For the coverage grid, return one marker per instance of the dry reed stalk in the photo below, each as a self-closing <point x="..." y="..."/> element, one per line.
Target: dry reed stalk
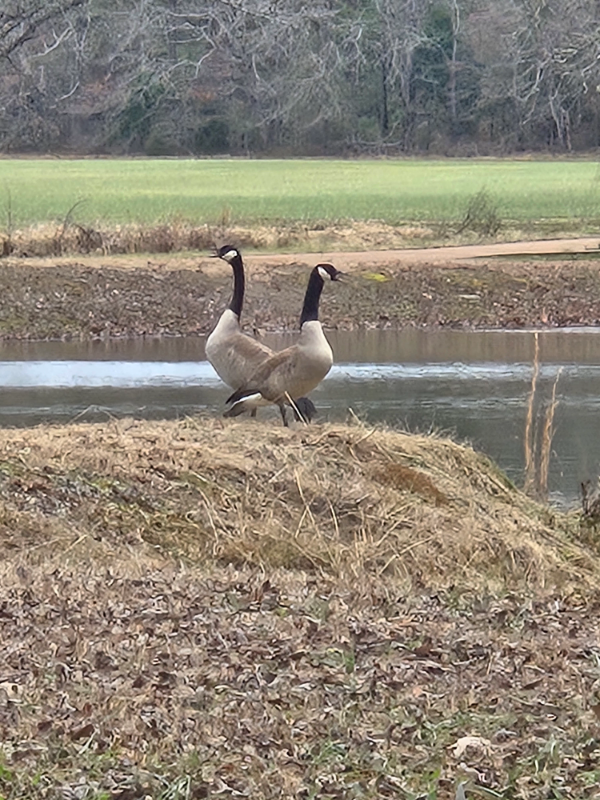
<point x="530" y="438"/>
<point x="296" y="409"/>
<point x="538" y="447"/>
<point x="546" y="443"/>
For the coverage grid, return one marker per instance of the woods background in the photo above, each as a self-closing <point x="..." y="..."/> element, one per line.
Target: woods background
<point x="286" y="77"/>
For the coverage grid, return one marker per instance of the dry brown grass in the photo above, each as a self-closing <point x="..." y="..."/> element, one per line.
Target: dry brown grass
<point x="344" y="500"/>
<point x="70" y="237"/>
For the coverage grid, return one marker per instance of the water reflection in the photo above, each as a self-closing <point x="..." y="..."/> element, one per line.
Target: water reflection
<point x="564" y="346"/>
<point x="474" y="385"/>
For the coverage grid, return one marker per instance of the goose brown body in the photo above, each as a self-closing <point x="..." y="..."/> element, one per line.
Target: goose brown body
<point x="234" y="355"/>
<point x="298" y="369"/>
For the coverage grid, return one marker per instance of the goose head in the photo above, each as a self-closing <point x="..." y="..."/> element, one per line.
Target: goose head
<point x="328" y="271"/>
<point x="228" y="253"/>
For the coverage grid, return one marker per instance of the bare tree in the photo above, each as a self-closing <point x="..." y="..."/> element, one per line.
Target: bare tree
<point x="202" y="75"/>
<point x="34" y="36"/>
<point x="20" y="22"/>
<point x="539" y="61"/>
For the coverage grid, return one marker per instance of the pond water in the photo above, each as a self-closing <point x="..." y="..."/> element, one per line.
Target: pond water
<point x="473" y="385"/>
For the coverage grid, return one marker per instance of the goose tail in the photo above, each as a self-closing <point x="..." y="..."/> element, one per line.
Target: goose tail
<point x="241" y="401"/>
<point x="244" y="400"/>
<point x="304" y="409"/>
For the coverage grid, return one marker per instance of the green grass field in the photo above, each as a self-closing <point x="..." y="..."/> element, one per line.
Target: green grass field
<point x="150" y="191"/>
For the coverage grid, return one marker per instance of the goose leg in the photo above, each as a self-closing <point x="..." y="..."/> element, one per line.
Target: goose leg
<point x="253" y="413"/>
<point x="283" y="413"/>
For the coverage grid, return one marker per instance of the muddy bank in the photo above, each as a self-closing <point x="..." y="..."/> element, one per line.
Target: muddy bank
<point x="124" y="296"/>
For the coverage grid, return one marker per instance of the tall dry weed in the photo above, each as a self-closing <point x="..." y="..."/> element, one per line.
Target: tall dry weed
<point x="539" y="432"/>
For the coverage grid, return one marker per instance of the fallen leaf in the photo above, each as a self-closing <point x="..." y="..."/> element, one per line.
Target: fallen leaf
<point x="478" y="743"/>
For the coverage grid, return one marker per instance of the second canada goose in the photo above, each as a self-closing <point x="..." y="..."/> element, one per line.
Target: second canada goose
<point x="298" y="369"/>
<point x="235" y="356"/>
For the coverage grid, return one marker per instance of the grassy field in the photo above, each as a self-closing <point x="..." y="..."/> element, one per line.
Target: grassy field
<point x="148" y="192"/>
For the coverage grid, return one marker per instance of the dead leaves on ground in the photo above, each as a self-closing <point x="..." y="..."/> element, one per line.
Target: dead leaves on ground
<point x="236" y="685"/>
<point x="120" y="296"/>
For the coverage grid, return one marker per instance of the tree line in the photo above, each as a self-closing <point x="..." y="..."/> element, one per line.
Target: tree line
<point x="290" y="77"/>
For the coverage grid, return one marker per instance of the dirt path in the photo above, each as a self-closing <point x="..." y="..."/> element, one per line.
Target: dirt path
<point x="437" y="255"/>
<point x="345" y="259"/>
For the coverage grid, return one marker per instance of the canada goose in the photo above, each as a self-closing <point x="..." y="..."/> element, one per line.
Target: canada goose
<point x="298" y="369"/>
<point x="234" y="355"/>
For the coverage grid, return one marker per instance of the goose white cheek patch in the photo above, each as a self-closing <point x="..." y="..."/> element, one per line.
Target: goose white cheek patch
<point x="323" y="273"/>
<point x="230" y="255"/>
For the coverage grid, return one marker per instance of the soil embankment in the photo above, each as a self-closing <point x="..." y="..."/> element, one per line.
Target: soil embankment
<point x="122" y="296"/>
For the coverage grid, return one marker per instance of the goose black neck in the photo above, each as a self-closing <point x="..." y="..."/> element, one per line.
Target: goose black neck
<point x="237" y="299"/>
<point x="310" y="309"/>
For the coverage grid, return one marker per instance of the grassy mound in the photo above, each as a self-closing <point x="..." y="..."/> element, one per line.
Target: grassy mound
<point x="344" y="500"/>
